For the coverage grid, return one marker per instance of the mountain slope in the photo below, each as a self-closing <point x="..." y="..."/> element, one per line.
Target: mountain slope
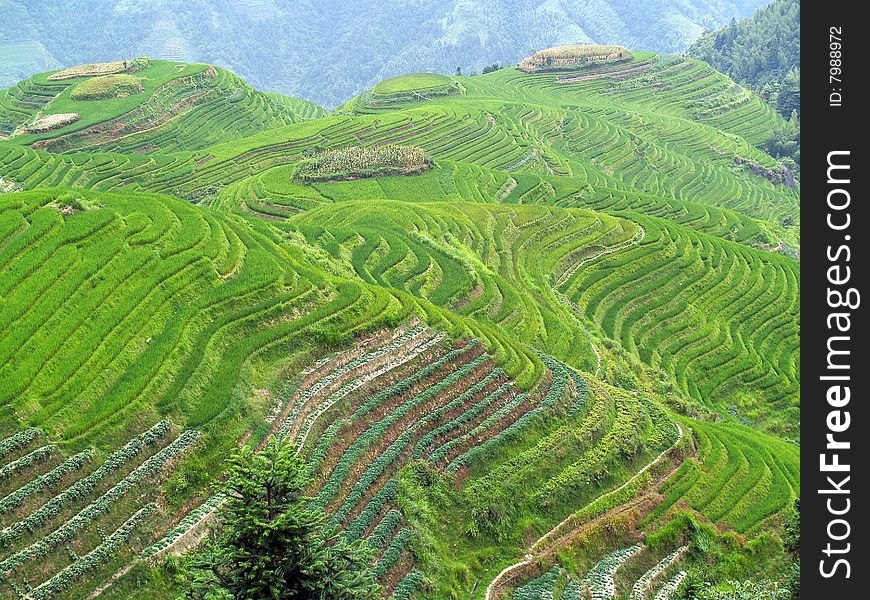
<point x="762" y="52"/>
<point x="158" y="105"/>
<point x="324" y="52"/>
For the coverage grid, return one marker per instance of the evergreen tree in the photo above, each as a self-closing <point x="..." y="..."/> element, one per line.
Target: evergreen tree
<point x="792" y="545"/>
<point x="789" y="96"/>
<point x="271" y="544"/>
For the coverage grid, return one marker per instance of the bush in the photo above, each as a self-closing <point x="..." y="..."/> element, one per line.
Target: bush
<point x="138" y="64"/>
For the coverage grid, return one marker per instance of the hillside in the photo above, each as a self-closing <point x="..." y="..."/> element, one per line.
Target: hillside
<point x="375" y="41"/>
<point x="762" y="52"/>
<point x="532" y="332"/>
<point x="158" y="105"/>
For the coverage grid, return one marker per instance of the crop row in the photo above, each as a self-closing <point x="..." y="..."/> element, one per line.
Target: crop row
<point x="372" y="435"/>
<point x="28" y="460"/>
<point x="84" y="486"/>
<point x="100" y="318"/>
<point x="416" y="345"/>
<point x="72" y="526"/>
<point x="379" y="501"/>
<point x="398" y="414"/>
<point x="525" y="472"/>
<point x="45" y="481"/>
<point x="93" y="559"/>
<point x="746" y="336"/>
<point x="323" y="444"/>
<point x="618" y="134"/>
<point x="393" y="552"/>
<point x="642" y="586"/>
<point x="669" y="588"/>
<point x="741" y="477"/>
<point x="184" y="525"/>
<point x="540" y="587"/>
<point x="18" y="440"/>
<point x="527" y="414"/>
<point x="301" y="400"/>
<point x="410" y="583"/>
<point x="599" y="579"/>
<point x="489" y="261"/>
<point x="598" y="582"/>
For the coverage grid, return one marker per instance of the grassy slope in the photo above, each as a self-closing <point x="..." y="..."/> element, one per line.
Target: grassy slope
<point x="97" y="111"/>
<point x="190" y="94"/>
<point x="411" y="81"/>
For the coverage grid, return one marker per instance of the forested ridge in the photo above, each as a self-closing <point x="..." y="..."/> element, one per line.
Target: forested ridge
<point x="764" y="54"/>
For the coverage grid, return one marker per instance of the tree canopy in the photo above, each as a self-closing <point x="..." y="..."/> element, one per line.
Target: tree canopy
<point x="762" y="52"/>
<point x="271" y="544"/>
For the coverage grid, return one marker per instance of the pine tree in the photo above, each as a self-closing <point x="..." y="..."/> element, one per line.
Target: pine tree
<point x="271" y="544"/>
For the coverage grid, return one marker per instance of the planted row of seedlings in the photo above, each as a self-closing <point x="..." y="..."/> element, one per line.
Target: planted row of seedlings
<point x="598" y="583"/>
<point x="324" y="384"/>
<point x="93" y="559"/>
<point x="644" y="585"/>
<point x="363" y="439"/>
<point x="599" y="580"/>
<point x="63" y="512"/>
<point x="82" y="487"/>
<point x="98" y="507"/>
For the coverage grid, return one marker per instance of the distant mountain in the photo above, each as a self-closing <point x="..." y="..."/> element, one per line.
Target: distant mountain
<point x="325" y="51"/>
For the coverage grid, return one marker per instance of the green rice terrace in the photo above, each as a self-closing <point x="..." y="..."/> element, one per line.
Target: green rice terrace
<point x="535" y="333"/>
<point x="415" y="86"/>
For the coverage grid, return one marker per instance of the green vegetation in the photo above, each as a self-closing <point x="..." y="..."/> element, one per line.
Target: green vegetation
<point x="537" y="334"/>
<point x="161" y="108"/>
<point x="355" y="162"/>
<point x="265" y="518"/>
<point x="414" y="81"/>
<point x="415" y="87"/>
<point x="762" y="53"/>
<point x="573" y="56"/>
<point x="106" y="86"/>
<point x="101" y="69"/>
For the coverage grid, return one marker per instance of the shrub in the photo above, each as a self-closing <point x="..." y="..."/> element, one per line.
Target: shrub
<point x="138" y="64"/>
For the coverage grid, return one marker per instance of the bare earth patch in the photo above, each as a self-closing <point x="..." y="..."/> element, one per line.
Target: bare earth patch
<point x="49" y="122"/>
<point x="89" y="70"/>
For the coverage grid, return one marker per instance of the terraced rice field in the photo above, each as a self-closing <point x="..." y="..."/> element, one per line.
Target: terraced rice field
<point x="737" y="479"/>
<point x="584" y="315"/>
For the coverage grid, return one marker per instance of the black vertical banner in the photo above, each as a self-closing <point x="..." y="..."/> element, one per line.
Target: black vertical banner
<point x="835" y="425"/>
